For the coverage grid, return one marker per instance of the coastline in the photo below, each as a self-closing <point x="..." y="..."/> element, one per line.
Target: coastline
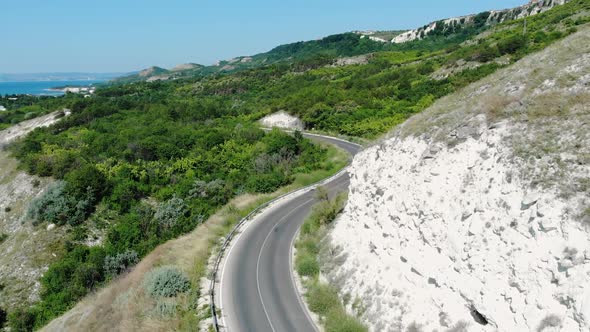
<point x="49" y="88"/>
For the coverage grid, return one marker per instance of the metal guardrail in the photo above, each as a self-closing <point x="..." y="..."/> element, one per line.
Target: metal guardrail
<point x="234" y="231"/>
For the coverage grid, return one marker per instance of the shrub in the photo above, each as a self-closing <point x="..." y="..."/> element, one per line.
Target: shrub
<point x="165" y="281"/>
<point x="266" y="183"/>
<point x="114" y="265"/>
<point x="307" y="265"/>
<point x="215" y="191"/>
<point x="322" y="298"/>
<point x="169" y="212"/>
<point x="487" y="53"/>
<point x="21" y="320"/>
<point x="86" y="179"/>
<point x="3" y="237"/>
<point x="56" y="206"/>
<point x="512" y="44"/>
<point x="338" y="321"/>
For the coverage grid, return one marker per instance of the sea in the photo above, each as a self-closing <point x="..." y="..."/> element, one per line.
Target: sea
<point x="41" y="88"/>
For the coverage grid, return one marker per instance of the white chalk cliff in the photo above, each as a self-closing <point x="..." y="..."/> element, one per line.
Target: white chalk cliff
<point x="534" y="7"/>
<point x="475" y="214"/>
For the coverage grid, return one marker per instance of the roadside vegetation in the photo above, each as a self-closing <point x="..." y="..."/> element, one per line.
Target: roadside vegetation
<point x="125" y="302"/>
<point x="322" y="298"/>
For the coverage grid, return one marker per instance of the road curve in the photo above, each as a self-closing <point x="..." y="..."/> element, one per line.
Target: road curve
<point x="256" y="287"/>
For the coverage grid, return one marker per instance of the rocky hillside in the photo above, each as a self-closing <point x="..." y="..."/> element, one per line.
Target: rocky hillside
<point x="458" y="24"/>
<point x="25" y="251"/>
<point x="475" y="214"/>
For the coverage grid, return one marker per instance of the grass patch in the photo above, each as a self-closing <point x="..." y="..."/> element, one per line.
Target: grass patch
<point x="322" y="298"/>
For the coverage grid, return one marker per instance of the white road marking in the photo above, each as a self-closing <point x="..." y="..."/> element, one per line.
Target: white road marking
<point x="260" y="255"/>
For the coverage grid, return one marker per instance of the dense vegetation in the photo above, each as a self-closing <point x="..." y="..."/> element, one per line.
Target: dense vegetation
<point x="156" y="159"/>
<point x="156" y="170"/>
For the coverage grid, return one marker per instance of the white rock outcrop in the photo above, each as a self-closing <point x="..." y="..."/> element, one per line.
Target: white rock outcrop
<point x="282" y="119"/>
<point x="452" y="223"/>
<point x="431" y="238"/>
<point x="534" y="7"/>
<point x="23" y="128"/>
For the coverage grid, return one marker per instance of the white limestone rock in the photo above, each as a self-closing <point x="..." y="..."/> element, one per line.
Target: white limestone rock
<point x="282" y="119"/>
<point x="444" y="257"/>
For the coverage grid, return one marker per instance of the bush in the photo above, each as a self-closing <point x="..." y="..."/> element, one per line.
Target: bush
<point x="322" y="298"/>
<point x="307" y="265"/>
<point x="266" y="183"/>
<point x="215" y="191"/>
<point x="56" y="206"/>
<point x="487" y="53"/>
<point x="86" y="179"/>
<point x="114" y="265"/>
<point x="3" y="237"/>
<point x="512" y="44"/>
<point x="169" y="212"/>
<point x="338" y="321"/>
<point x="165" y="281"/>
<point x="21" y="320"/>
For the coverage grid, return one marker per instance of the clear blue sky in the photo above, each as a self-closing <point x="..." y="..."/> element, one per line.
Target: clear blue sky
<point x="126" y="35"/>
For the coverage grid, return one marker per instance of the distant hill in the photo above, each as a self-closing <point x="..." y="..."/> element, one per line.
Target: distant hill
<point x="319" y="51"/>
<point x="327" y="49"/>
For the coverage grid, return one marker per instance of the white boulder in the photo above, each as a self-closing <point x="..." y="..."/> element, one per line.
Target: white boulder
<point x="282" y="119"/>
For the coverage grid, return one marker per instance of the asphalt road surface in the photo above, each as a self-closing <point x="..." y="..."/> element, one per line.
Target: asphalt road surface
<point x="257" y="290"/>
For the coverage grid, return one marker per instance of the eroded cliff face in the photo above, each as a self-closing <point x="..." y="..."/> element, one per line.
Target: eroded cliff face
<point x="25" y="251"/>
<point x="534" y="7"/>
<point x="475" y="215"/>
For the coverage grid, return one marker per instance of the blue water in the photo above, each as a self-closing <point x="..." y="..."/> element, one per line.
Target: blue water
<point x="40" y="88"/>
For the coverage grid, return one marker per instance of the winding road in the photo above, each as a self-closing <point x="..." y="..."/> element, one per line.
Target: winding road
<point x="257" y="291"/>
